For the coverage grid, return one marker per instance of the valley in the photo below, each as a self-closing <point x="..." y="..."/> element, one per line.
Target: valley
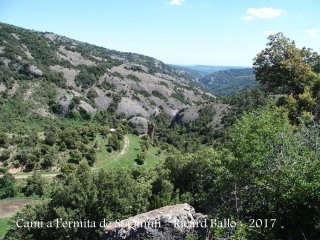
<point x="90" y="133"/>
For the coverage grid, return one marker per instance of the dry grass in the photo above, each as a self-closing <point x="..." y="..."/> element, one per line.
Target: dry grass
<point x="9" y="207"/>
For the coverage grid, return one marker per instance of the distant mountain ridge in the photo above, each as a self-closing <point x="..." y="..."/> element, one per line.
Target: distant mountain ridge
<point x="221" y="80"/>
<point x="228" y="82"/>
<point x="199" y="71"/>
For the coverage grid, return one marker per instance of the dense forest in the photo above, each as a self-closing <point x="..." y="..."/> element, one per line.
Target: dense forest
<point x="262" y="162"/>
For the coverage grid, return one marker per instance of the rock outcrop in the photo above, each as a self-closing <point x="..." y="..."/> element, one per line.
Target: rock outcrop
<point x="170" y="222"/>
<point x="185" y="116"/>
<point x="87" y="107"/>
<point x="139" y="124"/>
<point x="35" y="71"/>
<point x="130" y="108"/>
<point x="151" y="127"/>
<point x="142" y="126"/>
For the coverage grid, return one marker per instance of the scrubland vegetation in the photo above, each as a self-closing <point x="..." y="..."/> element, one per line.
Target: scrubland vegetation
<point x="262" y="164"/>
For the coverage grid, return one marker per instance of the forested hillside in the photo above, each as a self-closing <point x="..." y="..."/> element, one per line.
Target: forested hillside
<point x="200" y="71"/>
<point x="231" y="81"/>
<point x="121" y="134"/>
<point x="221" y="80"/>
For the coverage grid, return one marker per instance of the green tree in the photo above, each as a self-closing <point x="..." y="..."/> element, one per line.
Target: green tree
<point x="198" y="176"/>
<point x="141" y="157"/>
<point x="4" y="155"/>
<point x="284" y="68"/>
<point x="85" y="79"/>
<point x="75" y="156"/>
<point x="3" y="139"/>
<point x="49" y="159"/>
<point x="162" y="189"/>
<point x="91" y="156"/>
<point x="85" y="195"/>
<point x="144" y="143"/>
<point x="92" y="94"/>
<point x="115" y="142"/>
<point x="7" y="186"/>
<point x="283" y="65"/>
<point x="50" y="138"/>
<point x="35" y="185"/>
<point x="275" y="174"/>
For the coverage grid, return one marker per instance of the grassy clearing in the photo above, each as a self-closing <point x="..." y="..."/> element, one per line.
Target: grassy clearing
<point x="115" y="159"/>
<point x="4" y="225"/>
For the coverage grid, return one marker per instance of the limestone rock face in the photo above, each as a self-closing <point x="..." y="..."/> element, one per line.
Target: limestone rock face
<point x="185" y="116"/>
<point x="130" y="108"/>
<point x="35" y="71"/>
<point x="140" y="124"/>
<point x="170" y="222"/>
<point x="143" y="126"/>
<point x="87" y="107"/>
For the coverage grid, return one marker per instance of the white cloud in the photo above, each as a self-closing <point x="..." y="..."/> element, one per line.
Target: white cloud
<point x="176" y="2"/>
<point x="265" y="12"/>
<point x="247" y="18"/>
<point x="269" y="32"/>
<point x="314" y="33"/>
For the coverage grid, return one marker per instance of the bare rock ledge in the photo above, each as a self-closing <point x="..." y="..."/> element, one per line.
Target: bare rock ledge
<point x="170" y="222"/>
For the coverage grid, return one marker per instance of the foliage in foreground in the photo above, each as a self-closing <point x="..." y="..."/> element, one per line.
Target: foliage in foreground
<point x="270" y="170"/>
<point x="267" y="169"/>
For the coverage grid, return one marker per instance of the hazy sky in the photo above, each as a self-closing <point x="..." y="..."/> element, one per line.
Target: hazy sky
<point x="211" y="32"/>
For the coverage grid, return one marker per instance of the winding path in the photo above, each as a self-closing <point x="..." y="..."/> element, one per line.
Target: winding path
<point x="125" y="146"/>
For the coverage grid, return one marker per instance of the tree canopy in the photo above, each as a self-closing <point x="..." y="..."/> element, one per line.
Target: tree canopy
<point x="286" y="69"/>
<point x="284" y="66"/>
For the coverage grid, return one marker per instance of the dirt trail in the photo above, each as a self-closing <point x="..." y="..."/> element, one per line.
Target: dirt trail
<point x="45" y="175"/>
<point x="125" y="146"/>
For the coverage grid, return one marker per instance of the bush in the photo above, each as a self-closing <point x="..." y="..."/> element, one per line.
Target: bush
<point x="133" y="78"/>
<point x="3" y="139"/>
<point x="114" y="142"/>
<point x="108" y="86"/>
<point x="7" y="186"/>
<point x="159" y="95"/>
<point x="141" y="157"/>
<point x="35" y="185"/>
<point x="92" y="94"/>
<point x="5" y="154"/>
<point x="85" y="79"/>
<point x="51" y="138"/>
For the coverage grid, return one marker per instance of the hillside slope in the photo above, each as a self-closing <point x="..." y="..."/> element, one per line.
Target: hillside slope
<point x="200" y="71"/>
<point x="228" y="82"/>
<point x="83" y="78"/>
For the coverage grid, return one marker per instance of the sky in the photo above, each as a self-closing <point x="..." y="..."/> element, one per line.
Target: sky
<point x="185" y="32"/>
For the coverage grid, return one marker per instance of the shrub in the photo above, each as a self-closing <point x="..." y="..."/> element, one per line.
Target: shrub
<point x="85" y="79"/>
<point x="4" y="155"/>
<point x="7" y="186"/>
<point x="159" y="95"/>
<point x="133" y="78"/>
<point x="3" y="139"/>
<point x="141" y="157"/>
